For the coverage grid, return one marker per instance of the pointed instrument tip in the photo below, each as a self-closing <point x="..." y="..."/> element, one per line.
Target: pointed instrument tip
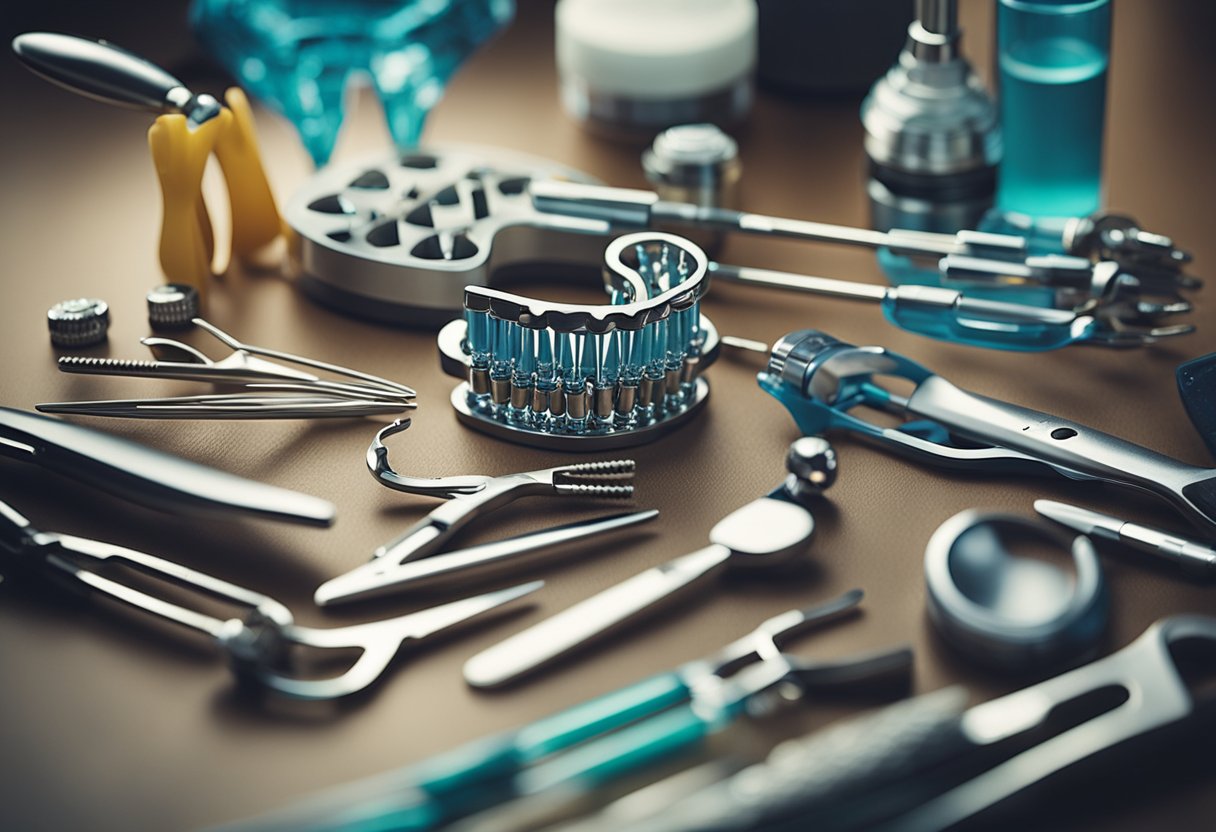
<point x="435" y="620"/>
<point x="1074" y="517"/>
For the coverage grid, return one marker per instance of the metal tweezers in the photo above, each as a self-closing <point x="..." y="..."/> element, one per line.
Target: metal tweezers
<point x="271" y="390"/>
<point x="264" y="645"/>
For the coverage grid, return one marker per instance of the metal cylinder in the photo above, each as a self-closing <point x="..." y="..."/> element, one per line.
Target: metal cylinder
<point x="479" y="380"/>
<point x="688" y="372"/>
<point x="520" y="396"/>
<point x="557" y="401"/>
<point x="932" y="134"/>
<point x="603" y="403"/>
<point x="626" y="401"/>
<point x="576" y="404"/>
<point x="696" y="164"/>
<point x="500" y="390"/>
<point x="938" y="16"/>
<point x="672" y="382"/>
<point x="646" y="392"/>
<point x="540" y="401"/>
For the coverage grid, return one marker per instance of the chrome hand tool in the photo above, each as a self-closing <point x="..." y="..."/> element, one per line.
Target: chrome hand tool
<point x="631" y="209"/>
<point x="144" y="475"/>
<point x="1199" y="559"/>
<point x="262" y="644"/>
<point x="112" y="75"/>
<point x="400" y="239"/>
<point x="930" y="762"/>
<point x="599" y="741"/>
<point x="396" y="563"/>
<point x="821" y="381"/>
<point x="768" y="532"/>
<point x="949" y="315"/>
<point x="272" y="389"/>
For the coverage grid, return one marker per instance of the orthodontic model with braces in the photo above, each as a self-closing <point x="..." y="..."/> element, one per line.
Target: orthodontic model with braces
<point x="558" y="375"/>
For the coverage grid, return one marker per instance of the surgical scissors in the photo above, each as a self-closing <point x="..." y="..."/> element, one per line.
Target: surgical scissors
<point x="469" y="497"/>
<point x="257" y="368"/>
<point x="262" y="644"/>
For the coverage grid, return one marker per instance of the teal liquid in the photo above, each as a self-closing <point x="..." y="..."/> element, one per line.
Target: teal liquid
<point x="1053" y="100"/>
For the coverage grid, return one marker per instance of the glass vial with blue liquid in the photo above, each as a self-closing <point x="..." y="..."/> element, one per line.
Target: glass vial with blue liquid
<point x="1053" y="58"/>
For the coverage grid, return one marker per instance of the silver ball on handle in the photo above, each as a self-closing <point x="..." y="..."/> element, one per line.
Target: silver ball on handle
<point x="811" y="462"/>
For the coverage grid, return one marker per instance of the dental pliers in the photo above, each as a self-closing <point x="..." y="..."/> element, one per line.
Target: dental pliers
<point x="411" y="559"/>
<point x="263" y="644"/>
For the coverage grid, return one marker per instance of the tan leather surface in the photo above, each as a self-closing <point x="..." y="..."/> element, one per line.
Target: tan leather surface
<point x="109" y="723"/>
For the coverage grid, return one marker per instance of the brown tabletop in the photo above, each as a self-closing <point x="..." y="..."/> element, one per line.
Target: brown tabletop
<point x="109" y="723"/>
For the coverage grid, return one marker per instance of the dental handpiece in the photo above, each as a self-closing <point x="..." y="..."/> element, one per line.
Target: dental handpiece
<point x="821" y="380"/>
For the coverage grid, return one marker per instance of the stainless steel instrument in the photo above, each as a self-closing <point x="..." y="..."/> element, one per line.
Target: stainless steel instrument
<point x="148" y="476"/>
<point x="822" y="380"/>
<point x="1008" y="612"/>
<point x="111" y="75"/>
<point x="500" y="779"/>
<point x="396" y="565"/>
<point x="767" y="532"/>
<point x="929" y="763"/>
<point x="1198" y="559"/>
<point x="933" y="135"/>
<point x="263" y="644"/>
<point x="272" y="389"/>
<point x="399" y="239"/>
<point x="632" y="209"/>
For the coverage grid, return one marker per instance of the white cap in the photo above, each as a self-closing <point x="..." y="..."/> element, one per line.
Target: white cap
<point x="656" y="49"/>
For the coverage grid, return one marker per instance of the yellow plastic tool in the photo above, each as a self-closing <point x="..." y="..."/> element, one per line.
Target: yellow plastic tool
<point x="188" y="129"/>
<point x="180" y="152"/>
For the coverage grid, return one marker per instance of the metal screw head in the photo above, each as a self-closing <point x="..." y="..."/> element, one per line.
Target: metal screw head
<point x="812" y="465"/>
<point x="172" y="306"/>
<point x="79" y="322"/>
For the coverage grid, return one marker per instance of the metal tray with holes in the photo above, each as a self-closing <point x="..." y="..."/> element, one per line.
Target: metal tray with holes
<point x="397" y="239"/>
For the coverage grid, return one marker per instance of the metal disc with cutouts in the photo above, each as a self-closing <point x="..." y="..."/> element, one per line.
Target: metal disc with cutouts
<point x="398" y="238"/>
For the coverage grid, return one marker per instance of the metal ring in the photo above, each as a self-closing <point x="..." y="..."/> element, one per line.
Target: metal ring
<point x="1007" y="612"/>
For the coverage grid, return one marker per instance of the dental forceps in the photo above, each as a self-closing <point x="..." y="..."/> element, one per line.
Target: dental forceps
<point x="469" y="497"/>
<point x="597" y="742"/>
<point x="262" y="645"/>
<point x="272" y="389"/>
